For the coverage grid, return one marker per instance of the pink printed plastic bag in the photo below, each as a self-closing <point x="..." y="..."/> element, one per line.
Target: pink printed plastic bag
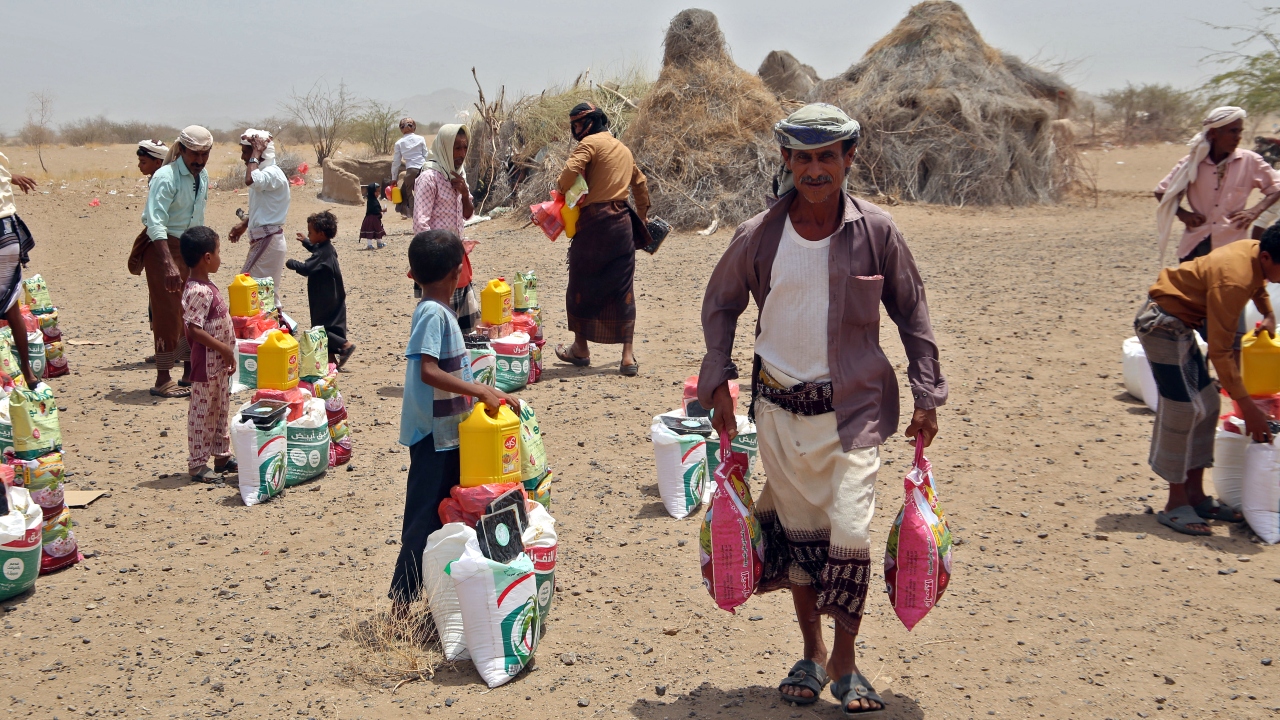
<point x="730" y="543"/>
<point x="917" y="560"/>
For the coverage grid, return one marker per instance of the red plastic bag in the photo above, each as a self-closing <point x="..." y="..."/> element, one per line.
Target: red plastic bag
<point x="466" y="505"/>
<point x="546" y="215"/>
<point x="917" y="558"/>
<point x="730" y="543"/>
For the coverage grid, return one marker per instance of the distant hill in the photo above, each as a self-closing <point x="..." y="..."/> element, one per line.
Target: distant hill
<point x="440" y="106"/>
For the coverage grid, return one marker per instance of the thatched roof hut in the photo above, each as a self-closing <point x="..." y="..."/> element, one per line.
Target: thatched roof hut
<point x="703" y="132"/>
<point x="949" y="119"/>
<point x="786" y="76"/>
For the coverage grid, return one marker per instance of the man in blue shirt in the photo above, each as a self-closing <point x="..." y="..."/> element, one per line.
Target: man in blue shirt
<point x="175" y="202"/>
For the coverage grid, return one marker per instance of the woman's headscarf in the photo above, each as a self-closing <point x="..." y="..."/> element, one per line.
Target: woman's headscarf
<point x="441" y="157"/>
<point x="599" y="122"/>
<point x="193" y="137"/>
<point x="268" y="155"/>
<point x="812" y="126"/>
<point x="1185" y="175"/>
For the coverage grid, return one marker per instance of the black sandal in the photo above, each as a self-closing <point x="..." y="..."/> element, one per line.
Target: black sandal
<point x="229" y="466"/>
<point x="205" y="475"/>
<point x="805" y="674"/>
<point x="1210" y="509"/>
<point x="855" y="686"/>
<point x="344" y="355"/>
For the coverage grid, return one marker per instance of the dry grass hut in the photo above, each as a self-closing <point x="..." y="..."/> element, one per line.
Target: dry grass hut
<point x="949" y="119"/>
<point x="703" y="134"/>
<point x="786" y="76"/>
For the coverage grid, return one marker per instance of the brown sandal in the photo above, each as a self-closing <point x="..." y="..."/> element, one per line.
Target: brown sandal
<point x="565" y="354"/>
<point x="171" y="390"/>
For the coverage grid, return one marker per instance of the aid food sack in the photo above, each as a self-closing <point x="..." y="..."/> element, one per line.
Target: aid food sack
<point x="260" y="453"/>
<point x="267" y="294"/>
<point x="34" y="414"/>
<point x="1229" y="446"/>
<point x="539" y="490"/>
<point x="533" y="454"/>
<point x="513" y="361"/>
<point x="1261" y="493"/>
<point x="443" y="547"/>
<point x="730" y="544"/>
<point x="681" y="461"/>
<point x="917" y="558"/>
<point x="58" y="543"/>
<point x="6" y="426"/>
<point x="540" y="544"/>
<point x="484" y="364"/>
<point x="307" y="444"/>
<point x="499" y="612"/>
<point x="55" y="364"/>
<point x="313" y="353"/>
<point x="44" y="478"/>
<point x="36" y="353"/>
<point x="744" y="442"/>
<point x="246" y="377"/>
<point x="20" y="540"/>
<point x="10" y="364"/>
<point x="49" y="326"/>
<point x="35" y="293"/>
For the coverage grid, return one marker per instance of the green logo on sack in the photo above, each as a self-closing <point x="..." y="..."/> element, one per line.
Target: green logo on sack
<point x="519" y="636"/>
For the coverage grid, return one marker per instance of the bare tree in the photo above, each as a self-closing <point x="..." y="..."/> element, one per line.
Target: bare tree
<point x="326" y="116"/>
<point x="377" y="126"/>
<point x="39" y="115"/>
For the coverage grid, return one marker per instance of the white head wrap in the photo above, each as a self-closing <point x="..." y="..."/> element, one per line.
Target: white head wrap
<point x="1185" y="175"/>
<point x="155" y="148"/>
<point x="268" y="155"/>
<point x="194" y="137"/>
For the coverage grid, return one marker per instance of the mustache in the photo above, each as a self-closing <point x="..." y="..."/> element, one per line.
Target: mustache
<point x="818" y="180"/>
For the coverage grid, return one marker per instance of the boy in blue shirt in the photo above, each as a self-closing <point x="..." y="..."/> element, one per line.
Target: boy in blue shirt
<point x="438" y="389"/>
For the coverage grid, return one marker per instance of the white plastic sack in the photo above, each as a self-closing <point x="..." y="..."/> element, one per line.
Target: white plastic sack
<point x="307" y="444"/>
<point x="499" y="612"/>
<point x="1261" y="506"/>
<point x="246" y="376"/>
<point x="540" y="543"/>
<point x="443" y="547"/>
<point x="1228" y="463"/>
<point x="1138" y="380"/>
<point x="682" y="467"/>
<point x="260" y="454"/>
<point x="20" y="541"/>
<point x="1251" y="315"/>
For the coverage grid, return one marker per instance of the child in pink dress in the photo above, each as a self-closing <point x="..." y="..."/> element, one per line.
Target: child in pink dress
<point x="209" y="332"/>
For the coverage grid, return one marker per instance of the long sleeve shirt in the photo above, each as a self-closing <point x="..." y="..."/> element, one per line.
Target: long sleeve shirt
<point x="610" y="171"/>
<point x="411" y="150"/>
<point x="326" y="293"/>
<point x="175" y="201"/>
<point x="1212" y="290"/>
<point x="268" y="196"/>
<point x="868" y="265"/>
<point x="437" y="206"/>
<point x="1219" y="191"/>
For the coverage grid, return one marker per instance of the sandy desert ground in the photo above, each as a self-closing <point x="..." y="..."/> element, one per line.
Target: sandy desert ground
<point x="1068" y="600"/>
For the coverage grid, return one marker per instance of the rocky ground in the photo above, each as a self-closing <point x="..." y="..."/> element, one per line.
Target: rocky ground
<point x="1068" y="599"/>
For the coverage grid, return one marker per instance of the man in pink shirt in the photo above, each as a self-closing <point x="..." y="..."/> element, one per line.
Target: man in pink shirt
<point x="1216" y="179"/>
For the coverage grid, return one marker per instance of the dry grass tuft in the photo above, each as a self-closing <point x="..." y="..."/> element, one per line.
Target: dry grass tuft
<point x="703" y="135"/>
<point x="949" y="119"/>
<point x="391" y="652"/>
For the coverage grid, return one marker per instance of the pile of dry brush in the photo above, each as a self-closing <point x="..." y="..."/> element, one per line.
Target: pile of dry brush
<point x="949" y="119"/>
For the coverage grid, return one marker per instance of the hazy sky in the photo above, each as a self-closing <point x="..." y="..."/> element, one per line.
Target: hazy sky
<point x="217" y="62"/>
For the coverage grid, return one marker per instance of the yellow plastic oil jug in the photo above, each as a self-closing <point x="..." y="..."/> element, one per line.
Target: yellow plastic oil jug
<point x="243" y="293"/>
<point x="489" y="447"/>
<point x="395" y="195"/>
<point x="496" y="302"/>
<point x="1260" y="363"/>
<point x="569" y="216"/>
<point x="278" y="362"/>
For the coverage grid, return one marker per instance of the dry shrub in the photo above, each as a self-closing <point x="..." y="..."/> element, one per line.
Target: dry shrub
<point x="703" y="134"/>
<point x="949" y="119"/>
<point x="786" y="76"/>
<point x="389" y="651"/>
<point x="516" y="163"/>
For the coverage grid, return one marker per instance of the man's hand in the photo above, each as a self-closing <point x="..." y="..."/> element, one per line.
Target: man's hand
<point x="237" y="231"/>
<point x="259" y="144"/>
<point x="228" y="356"/>
<point x="1255" y="421"/>
<point x="24" y="182"/>
<point x="723" y="417"/>
<point x="1269" y="324"/>
<point x="1244" y="218"/>
<point x="1192" y="220"/>
<point x="459" y="185"/>
<point x="924" y="426"/>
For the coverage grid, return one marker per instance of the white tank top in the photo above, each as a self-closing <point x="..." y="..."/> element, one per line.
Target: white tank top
<point x="793" y="324"/>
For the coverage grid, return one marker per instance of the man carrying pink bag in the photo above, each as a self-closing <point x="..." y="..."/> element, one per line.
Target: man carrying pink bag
<point x="819" y="265"/>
